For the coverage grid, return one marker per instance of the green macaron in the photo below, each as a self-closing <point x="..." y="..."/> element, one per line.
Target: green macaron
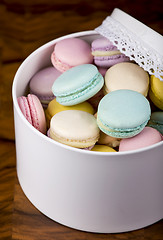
<point x="123" y="113"/>
<point x="156" y="121"/>
<point x="77" y="84"/>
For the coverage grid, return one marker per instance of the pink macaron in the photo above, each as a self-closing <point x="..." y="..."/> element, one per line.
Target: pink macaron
<point x="148" y="136"/>
<point x="71" y="52"/>
<point x="102" y="70"/>
<point x="106" y="54"/>
<point x="41" y="84"/>
<point x="33" y="111"/>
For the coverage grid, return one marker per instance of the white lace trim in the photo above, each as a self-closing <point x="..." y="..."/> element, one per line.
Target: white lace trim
<point x="132" y="46"/>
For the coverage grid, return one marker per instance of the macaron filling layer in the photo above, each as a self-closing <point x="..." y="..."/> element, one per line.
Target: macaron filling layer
<point x="74" y="128"/>
<point x="97" y="81"/>
<point x="74" y="142"/>
<point x="120" y="132"/>
<point x="105" y="53"/>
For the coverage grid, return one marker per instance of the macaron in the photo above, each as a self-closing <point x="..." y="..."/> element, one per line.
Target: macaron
<point x="102" y="148"/>
<point x="106" y="54"/>
<point x="77" y="84"/>
<point x="102" y="71"/>
<point x="123" y="113"/>
<point x="126" y="75"/>
<point x="156" y="121"/>
<point x="94" y="101"/>
<point x="108" y="140"/>
<point x="105" y="139"/>
<point x="33" y="111"/>
<point x="71" y="52"/>
<point x="86" y="148"/>
<point x="41" y="84"/>
<point x="55" y="107"/>
<point x="147" y="137"/>
<point x="74" y="128"/>
<point x="156" y="91"/>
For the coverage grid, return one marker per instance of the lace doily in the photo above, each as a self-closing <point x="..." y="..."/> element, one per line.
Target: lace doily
<point x="132" y="46"/>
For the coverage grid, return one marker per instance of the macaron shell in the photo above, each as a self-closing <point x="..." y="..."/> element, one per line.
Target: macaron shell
<point x="24" y="107"/>
<point x="156" y="91"/>
<point x="102" y="44"/>
<point x="41" y="83"/>
<point x="75" y="128"/>
<point x="85" y="95"/>
<point x="37" y="113"/>
<point x="106" y="54"/>
<point x="102" y="70"/>
<point x="54" y="107"/>
<point x="73" y="79"/>
<point x="156" y="121"/>
<point x="73" y="52"/>
<point x="102" y="148"/>
<point x="124" y="109"/>
<point x="109" y="61"/>
<point x="77" y="84"/>
<point x="123" y="113"/>
<point x="58" y="64"/>
<point x="127" y="76"/>
<point x="86" y="148"/>
<point x="157" y="117"/>
<point x="147" y="137"/>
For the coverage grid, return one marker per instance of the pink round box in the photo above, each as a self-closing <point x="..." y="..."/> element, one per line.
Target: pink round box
<point x="90" y="191"/>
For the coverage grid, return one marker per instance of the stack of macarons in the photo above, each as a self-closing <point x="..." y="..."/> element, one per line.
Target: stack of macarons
<point x="93" y="97"/>
<point x="106" y="54"/>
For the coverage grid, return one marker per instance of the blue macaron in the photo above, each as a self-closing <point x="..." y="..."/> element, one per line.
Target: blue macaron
<point x="77" y="84"/>
<point x="156" y="121"/>
<point x="123" y="113"/>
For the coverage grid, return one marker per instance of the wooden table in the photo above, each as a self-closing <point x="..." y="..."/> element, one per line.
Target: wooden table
<point x="24" y="26"/>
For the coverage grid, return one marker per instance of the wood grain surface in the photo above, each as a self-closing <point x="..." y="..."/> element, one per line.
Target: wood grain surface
<point x="25" y="26"/>
<point x="7" y="182"/>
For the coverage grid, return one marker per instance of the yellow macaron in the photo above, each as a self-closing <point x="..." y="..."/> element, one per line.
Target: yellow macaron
<point x="103" y="148"/>
<point x="156" y="91"/>
<point x="55" y="107"/>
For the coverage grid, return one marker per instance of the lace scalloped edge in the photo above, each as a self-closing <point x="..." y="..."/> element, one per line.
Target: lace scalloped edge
<point x="132" y="46"/>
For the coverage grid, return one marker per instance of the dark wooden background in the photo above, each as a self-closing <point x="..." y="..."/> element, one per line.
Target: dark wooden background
<point x="24" y="26"/>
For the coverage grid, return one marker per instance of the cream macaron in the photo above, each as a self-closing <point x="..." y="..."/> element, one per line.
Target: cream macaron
<point x="74" y="128"/>
<point x="126" y="75"/>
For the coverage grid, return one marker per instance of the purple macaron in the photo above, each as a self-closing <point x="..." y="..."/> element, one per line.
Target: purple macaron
<point x="106" y="54"/>
<point x="41" y="84"/>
